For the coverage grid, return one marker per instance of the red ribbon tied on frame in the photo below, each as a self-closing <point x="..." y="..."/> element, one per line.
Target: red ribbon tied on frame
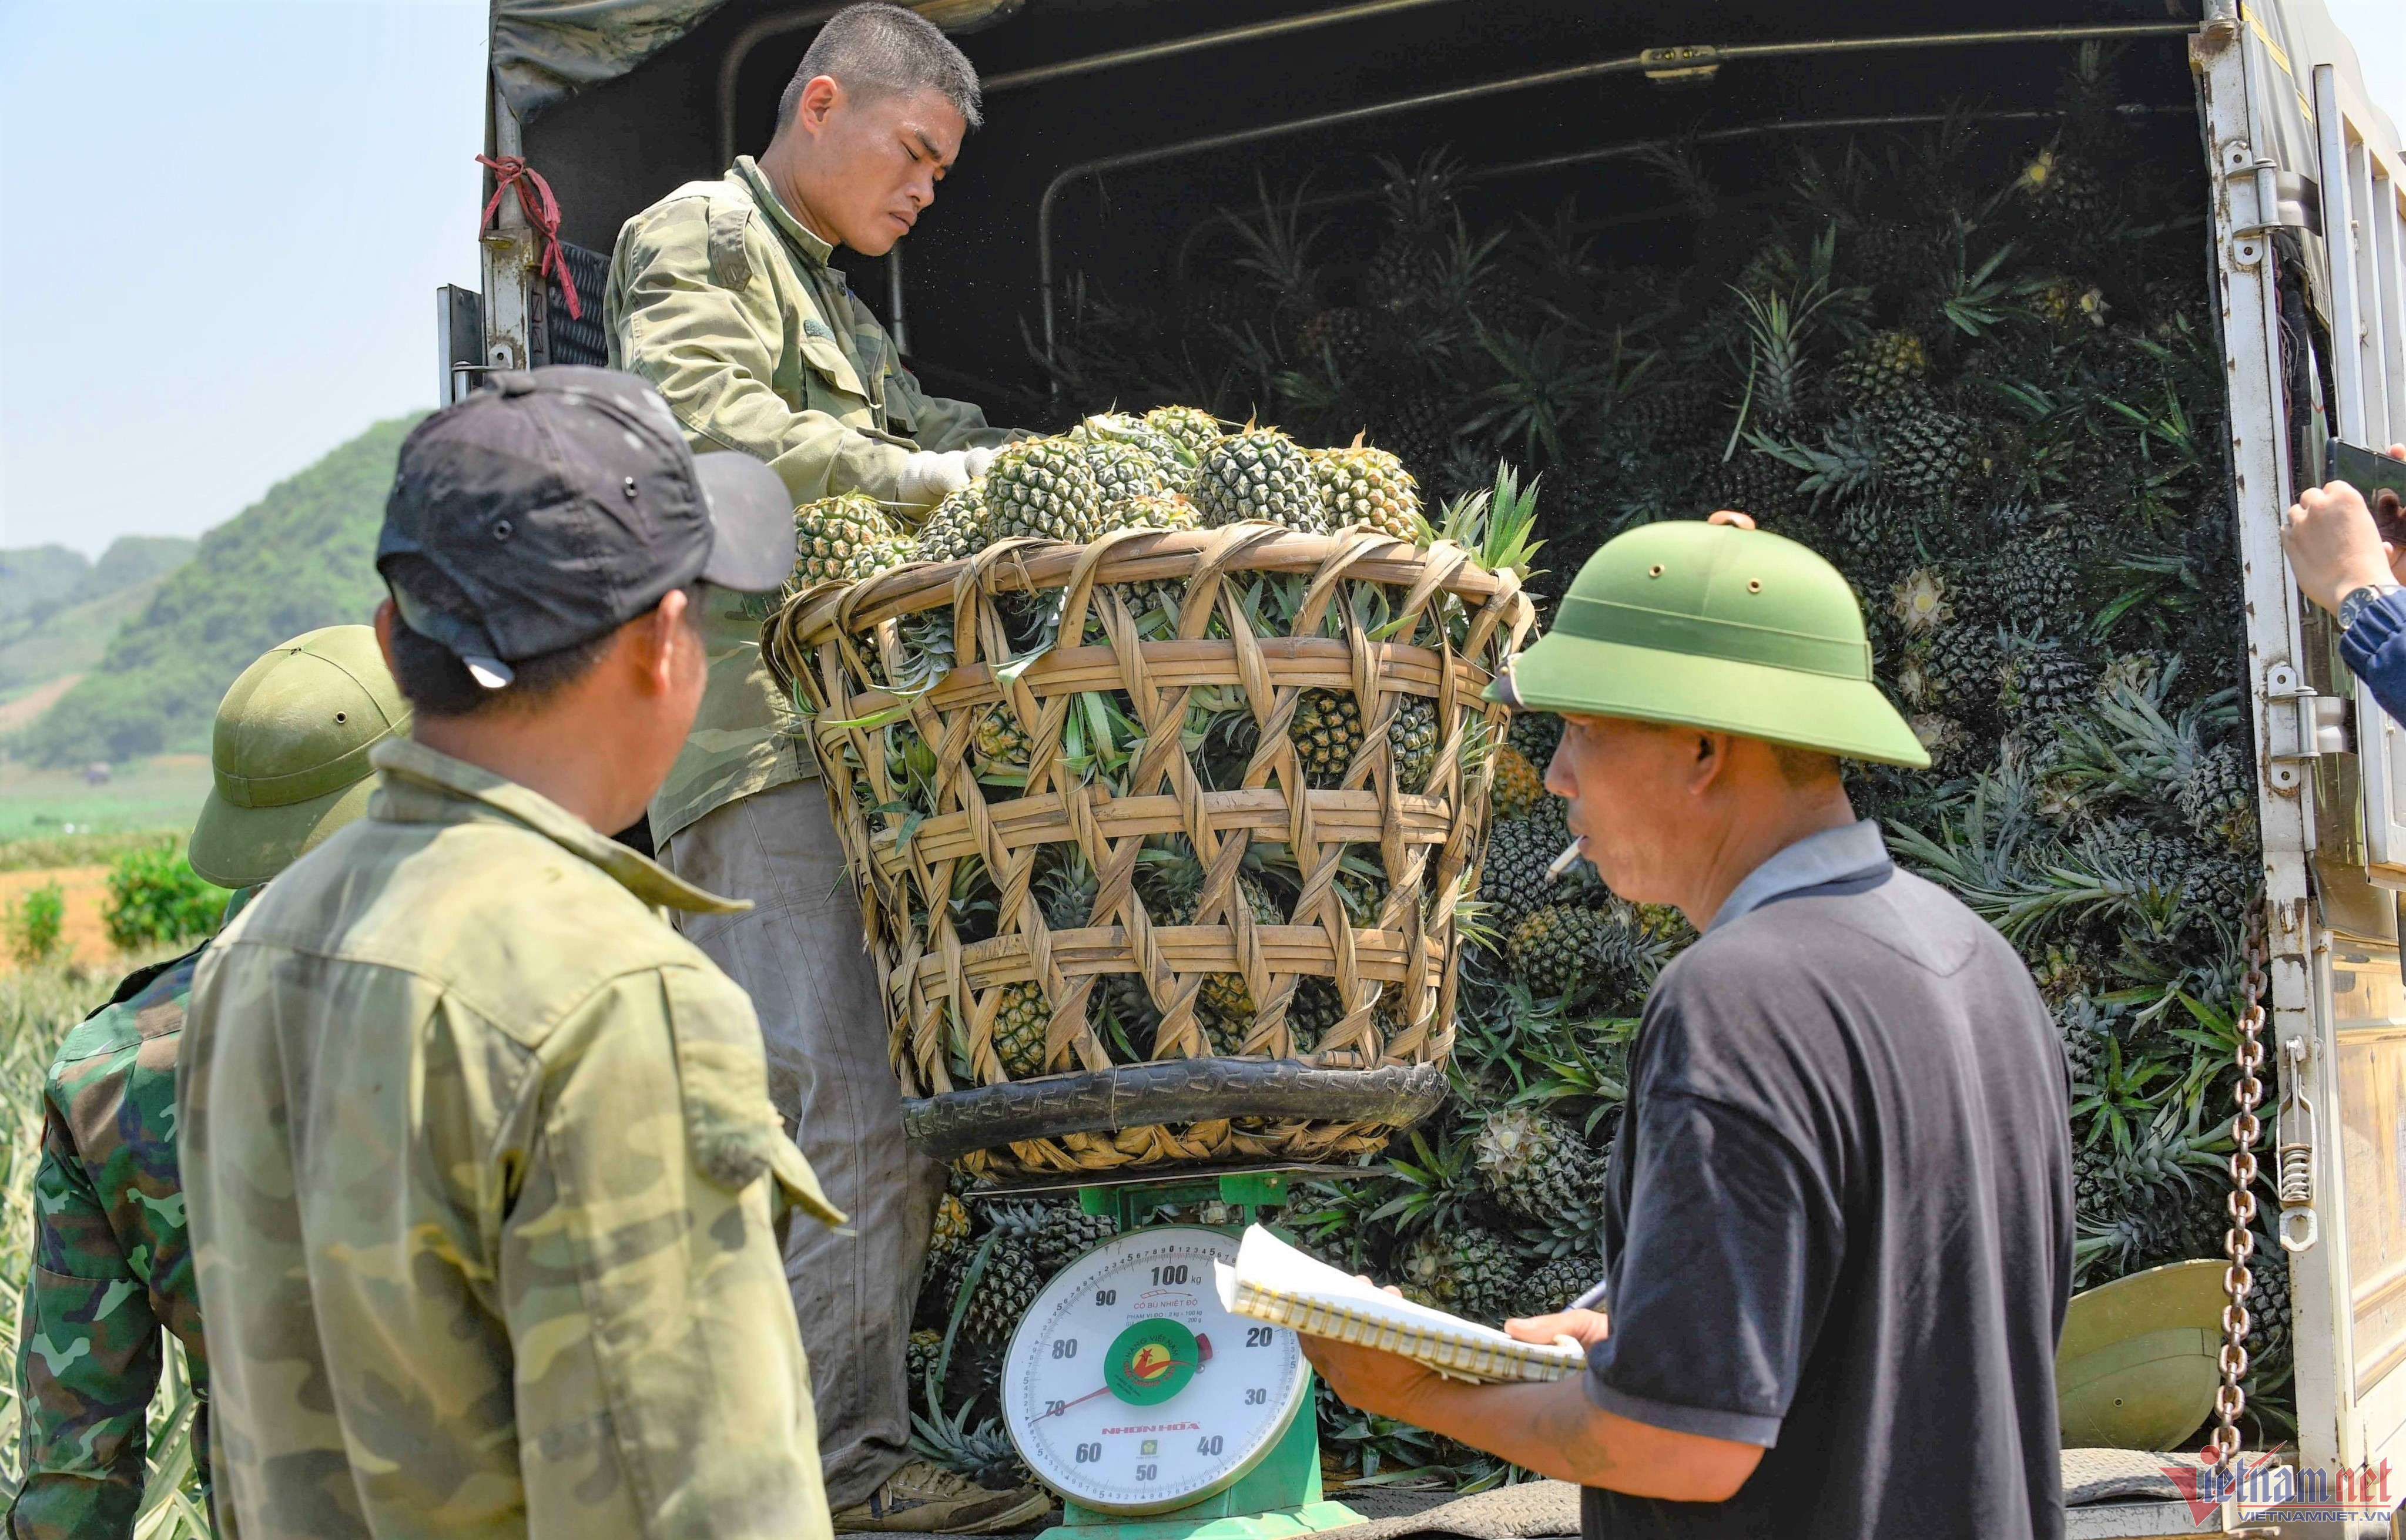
<point x="542" y="211"/>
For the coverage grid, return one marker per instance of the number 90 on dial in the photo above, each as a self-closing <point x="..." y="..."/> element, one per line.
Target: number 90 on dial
<point x="1128" y="1389"/>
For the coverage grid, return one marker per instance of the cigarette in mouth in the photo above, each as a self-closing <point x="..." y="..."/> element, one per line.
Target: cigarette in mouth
<point x="1563" y="863"/>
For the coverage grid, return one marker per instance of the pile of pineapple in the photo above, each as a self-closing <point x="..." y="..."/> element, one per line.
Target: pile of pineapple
<point x="1976" y="368"/>
<point x="1172" y="468"/>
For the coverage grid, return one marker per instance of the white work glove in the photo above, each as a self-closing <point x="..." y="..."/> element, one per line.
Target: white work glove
<point x="977" y="460"/>
<point x="928" y="477"/>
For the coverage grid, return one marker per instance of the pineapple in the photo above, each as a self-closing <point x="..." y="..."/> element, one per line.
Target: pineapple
<point x="1882" y="365"/>
<point x="1551" y="1286"/>
<point x="2216" y="797"/>
<point x="951" y="1234"/>
<point x="1326" y="732"/>
<point x="1756" y="484"/>
<point x="2034" y="584"/>
<point x="1889" y="256"/>
<point x="1512" y="878"/>
<point x="1412" y="740"/>
<point x="1675" y="414"/>
<point x="2126" y="851"/>
<point x="1260" y="473"/>
<point x="881" y="556"/>
<point x="2067" y="305"/>
<point x="1223" y="1006"/>
<point x="2084" y="1053"/>
<point x="1922" y="601"/>
<point x="1556" y="947"/>
<point x="1190" y="428"/>
<point x="1356" y="343"/>
<point x="1962" y="668"/>
<point x="1368" y="487"/>
<point x="1169" y="455"/>
<point x="1537" y="1166"/>
<point x="1925" y="450"/>
<point x="955" y="528"/>
<point x="1019" y="1029"/>
<point x="1123" y="472"/>
<point x="833" y="534"/>
<point x="1155" y="511"/>
<point x="1313" y="1008"/>
<point x="1420" y="429"/>
<point x="1009" y="1284"/>
<point x="1065" y="1231"/>
<point x="1043" y="488"/>
<point x="2064" y="189"/>
<point x="2043" y="681"/>
<point x="920" y="1355"/>
<point x="2270" y="1315"/>
<point x="999" y="746"/>
<point x="1534" y="735"/>
<point x="1520" y="786"/>
<point x="1407" y="270"/>
<point x="1943" y="740"/>
<point x="1467" y="1269"/>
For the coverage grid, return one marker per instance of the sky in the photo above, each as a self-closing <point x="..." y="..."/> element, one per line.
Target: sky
<point x="223" y="224"/>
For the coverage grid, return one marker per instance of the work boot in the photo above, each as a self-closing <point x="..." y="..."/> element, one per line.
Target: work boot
<point x="928" y="1499"/>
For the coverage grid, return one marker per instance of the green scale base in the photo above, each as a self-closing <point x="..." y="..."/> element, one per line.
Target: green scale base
<point x="1280" y="1496"/>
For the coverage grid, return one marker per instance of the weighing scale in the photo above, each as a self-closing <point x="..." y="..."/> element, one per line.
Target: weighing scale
<point x="1154" y="1413"/>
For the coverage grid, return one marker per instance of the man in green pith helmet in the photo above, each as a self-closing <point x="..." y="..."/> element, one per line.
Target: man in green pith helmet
<point x="112" y="1261"/>
<point x="722" y="295"/>
<point x="1837" y="1222"/>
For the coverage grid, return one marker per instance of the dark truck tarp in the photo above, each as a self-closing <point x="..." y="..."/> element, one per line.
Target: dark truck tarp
<point x="544" y="50"/>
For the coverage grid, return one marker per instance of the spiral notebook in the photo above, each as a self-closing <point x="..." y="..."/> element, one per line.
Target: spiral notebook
<point x="1272" y="1281"/>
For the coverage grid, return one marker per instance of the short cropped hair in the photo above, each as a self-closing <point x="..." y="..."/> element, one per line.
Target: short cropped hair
<point x="1803" y="767"/>
<point x="434" y="680"/>
<point x="881" y="49"/>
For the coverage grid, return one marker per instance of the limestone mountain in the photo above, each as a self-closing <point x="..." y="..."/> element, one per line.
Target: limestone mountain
<point x="300" y="558"/>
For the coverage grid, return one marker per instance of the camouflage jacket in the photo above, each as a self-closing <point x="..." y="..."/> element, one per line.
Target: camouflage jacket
<point x="725" y="301"/>
<point x="111" y="1266"/>
<point x="485" y="1184"/>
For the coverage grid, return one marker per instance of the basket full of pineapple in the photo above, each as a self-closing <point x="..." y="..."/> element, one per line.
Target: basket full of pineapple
<point x="1162" y="768"/>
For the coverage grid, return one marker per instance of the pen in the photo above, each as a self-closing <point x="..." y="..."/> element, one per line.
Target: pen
<point x="1591" y="1299"/>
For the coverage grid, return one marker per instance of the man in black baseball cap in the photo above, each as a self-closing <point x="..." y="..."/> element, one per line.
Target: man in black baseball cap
<point x="482" y="1175"/>
<point x="554" y="506"/>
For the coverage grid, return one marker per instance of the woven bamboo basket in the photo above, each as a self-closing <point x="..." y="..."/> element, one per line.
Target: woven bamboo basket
<point x="1380" y="1066"/>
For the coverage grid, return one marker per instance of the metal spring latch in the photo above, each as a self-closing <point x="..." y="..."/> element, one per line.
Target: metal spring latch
<point x="2298" y="1228"/>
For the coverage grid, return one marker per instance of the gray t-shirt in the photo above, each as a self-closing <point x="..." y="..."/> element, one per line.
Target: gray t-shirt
<point x="1839" y="1218"/>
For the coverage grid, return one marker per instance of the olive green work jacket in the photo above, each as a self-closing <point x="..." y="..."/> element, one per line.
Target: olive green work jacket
<point x="484" y="1183"/>
<point x="724" y="300"/>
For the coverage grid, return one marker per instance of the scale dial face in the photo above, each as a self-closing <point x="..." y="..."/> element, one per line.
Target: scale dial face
<point x="1128" y="1389"/>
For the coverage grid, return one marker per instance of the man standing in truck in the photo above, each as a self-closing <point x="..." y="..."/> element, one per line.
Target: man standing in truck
<point x="721" y="296"/>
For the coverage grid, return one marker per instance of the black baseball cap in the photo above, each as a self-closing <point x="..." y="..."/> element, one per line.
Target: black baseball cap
<point x="555" y="505"/>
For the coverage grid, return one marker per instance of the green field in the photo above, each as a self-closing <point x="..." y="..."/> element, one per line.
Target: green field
<point x="163" y="792"/>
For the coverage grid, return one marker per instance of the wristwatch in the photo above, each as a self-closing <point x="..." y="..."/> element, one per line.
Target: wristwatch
<point x="2352" y="603"/>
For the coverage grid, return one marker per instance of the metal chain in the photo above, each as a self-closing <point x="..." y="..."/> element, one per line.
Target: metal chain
<point x="2239" y="1241"/>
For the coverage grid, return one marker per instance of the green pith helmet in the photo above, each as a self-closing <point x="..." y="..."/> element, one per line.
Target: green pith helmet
<point x="1714" y="626"/>
<point x="2137" y="1368"/>
<point x="290" y="753"/>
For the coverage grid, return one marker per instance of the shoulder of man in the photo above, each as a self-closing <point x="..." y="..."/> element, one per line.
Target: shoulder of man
<point x="514" y="926"/>
<point x="716" y="221"/>
<point x="148" y="1007"/>
<point x="113" y="1085"/>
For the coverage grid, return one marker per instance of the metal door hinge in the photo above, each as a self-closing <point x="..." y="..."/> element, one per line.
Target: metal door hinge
<point x="2318" y="724"/>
